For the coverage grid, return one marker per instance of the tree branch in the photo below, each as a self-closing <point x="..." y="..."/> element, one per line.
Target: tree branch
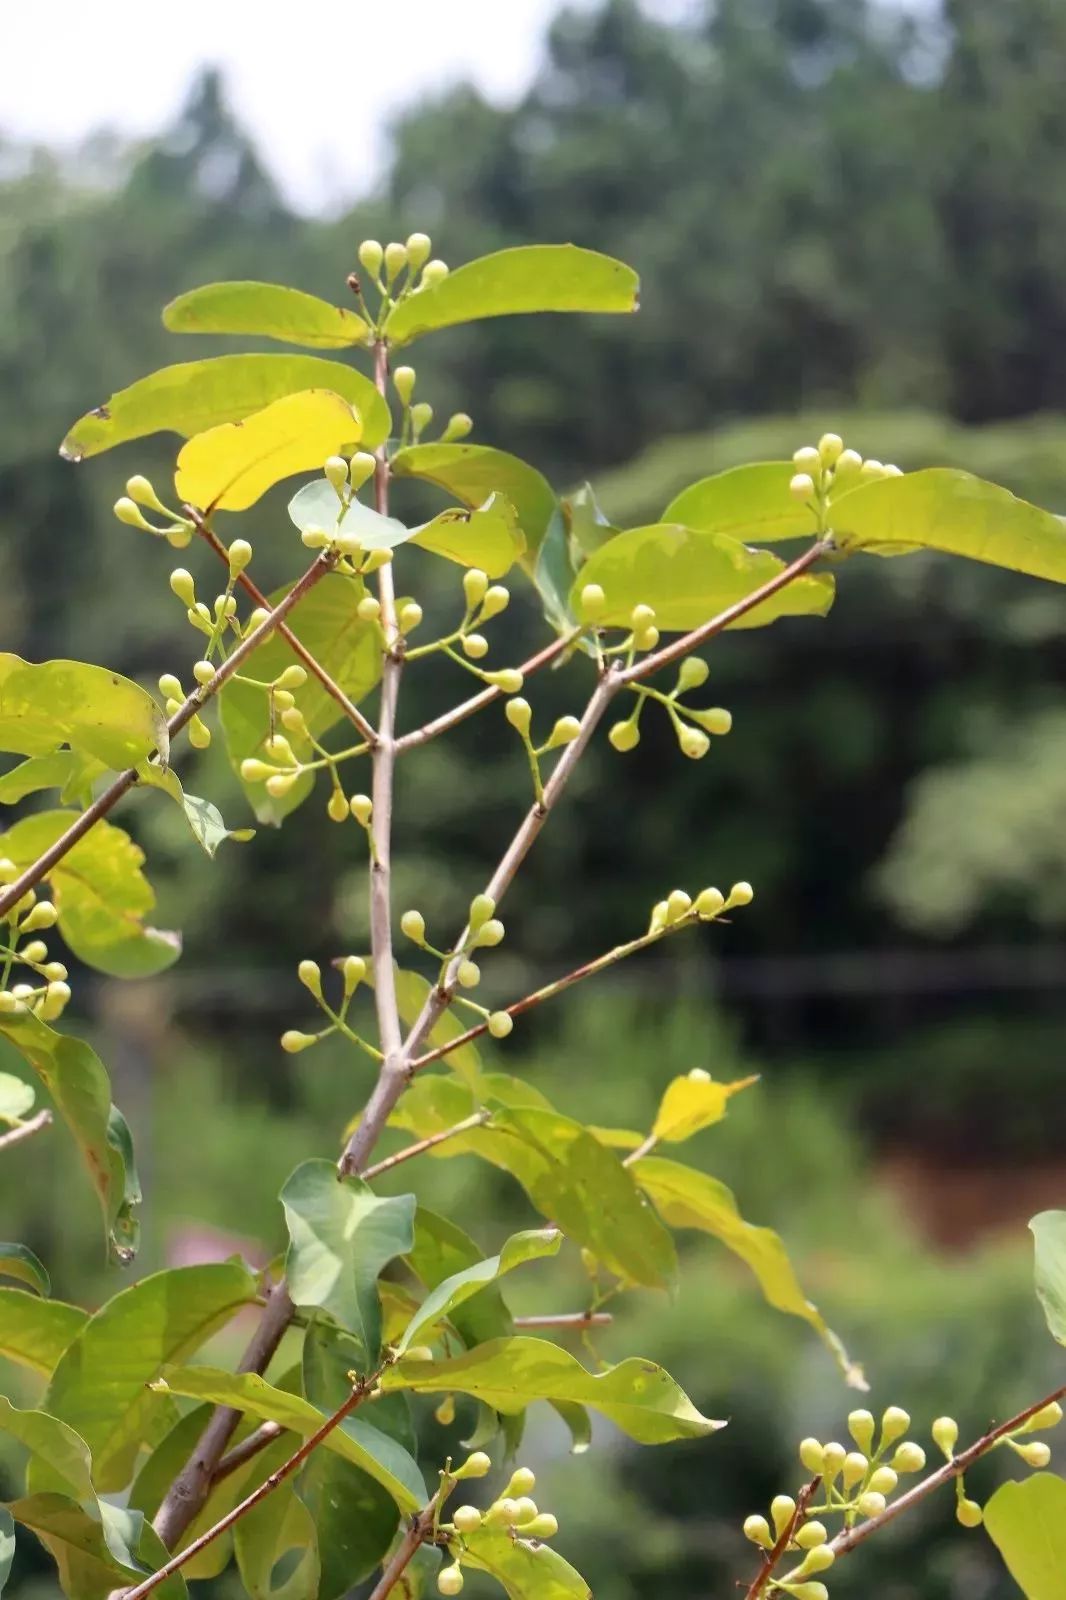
<point x="423" y="1145"/>
<point x="247" y="1450"/>
<point x="26" y="1130"/>
<point x="12" y="894"/>
<point x="419" y="1532"/>
<point x="566" y="1319"/>
<point x="478" y="702"/>
<point x="773" y="1557"/>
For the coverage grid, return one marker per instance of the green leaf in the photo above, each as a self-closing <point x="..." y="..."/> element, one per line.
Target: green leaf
<point x="440" y="1303"/>
<point x="341" y="1236"/>
<point x="267" y="310"/>
<point x="196" y="395"/>
<point x="97" y="712"/>
<point x="1048" y="1229"/>
<point x="100" y="893"/>
<point x="1026" y="1522"/>
<point x="56" y="1446"/>
<point x="525" y="1568"/>
<point x="411" y="992"/>
<point x="317" y="506"/>
<point x="100" y="1385"/>
<point x="204" y="818"/>
<point x="19" y="1261"/>
<point x="95" y="1554"/>
<point x="578" y="1421"/>
<point x="508" y="1374"/>
<point x="553" y="575"/>
<point x="349" y="650"/>
<point x="80" y="1089"/>
<point x="63" y="769"/>
<point x="278" y="1533"/>
<point x="689" y="1199"/>
<point x="952" y="511"/>
<point x="7" y="1545"/>
<point x="16" y="1098"/>
<point x="688" y="577"/>
<point x="539" y="277"/>
<point x="231" y="466"/>
<point x="749" y="503"/>
<point x="356" y="1439"/>
<point x="35" y="1332"/>
<point x="692" y="1102"/>
<point x="441" y="1250"/>
<point x="473" y="472"/>
<point x="586" y="523"/>
<point x="489" y="537"/>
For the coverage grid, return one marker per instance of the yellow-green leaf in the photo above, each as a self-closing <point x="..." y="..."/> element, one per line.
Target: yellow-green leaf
<point x="691" y="1102"/>
<point x="19" y="1261"/>
<point x="35" y="1332"/>
<point x="196" y="395"/>
<point x="439" y="1304"/>
<point x="526" y="1569"/>
<point x="473" y="472"/>
<point x="530" y="278"/>
<point x="269" y="310"/>
<point x="689" y="576"/>
<point x="750" y="503"/>
<point x="98" y="713"/>
<point x="685" y="1198"/>
<point x="1026" y="1522"/>
<point x="1048" y="1229"/>
<point x="489" y="538"/>
<point x="230" y="467"/>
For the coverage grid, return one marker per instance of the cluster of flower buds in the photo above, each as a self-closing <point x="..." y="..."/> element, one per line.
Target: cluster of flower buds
<point x="346" y="479"/>
<point x="513" y="1512"/>
<point x="680" y="908"/>
<point x="519" y="714"/>
<point x="283" y="767"/>
<point x="418" y="414"/>
<point x="827" y="467"/>
<point x="1034" y="1452"/>
<point x="139" y="492"/>
<point x="692" y="725"/>
<point x="484" y="931"/>
<point x="48" y="997"/>
<point x="352" y="971"/>
<point x="384" y="264"/>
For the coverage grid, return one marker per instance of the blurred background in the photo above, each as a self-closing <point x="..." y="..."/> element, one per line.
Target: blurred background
<point x="845" y="214"/>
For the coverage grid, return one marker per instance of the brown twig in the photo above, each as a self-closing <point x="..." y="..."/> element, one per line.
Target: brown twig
<point x="773" y="1556"/>
<point x="26" y="1130"/>
<point x="478" y="702"/>
<point x="12" y="894"/>
<point x="423" y="1145"/>
<point x="566" y="1319"/>
<point x="247" y="1450"/>
<point x="300" y="650"/>
<point x="419" y="1532"/>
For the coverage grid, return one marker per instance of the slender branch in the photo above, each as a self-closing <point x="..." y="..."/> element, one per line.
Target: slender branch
<point x="247" y="1450"/>
<point x="419" y="1532"/>
<point x="566" y="1319"/>
<point x="287" y="1468"/>
<point x="125" y="781"/>
<point x="300" y="650"/>
<point x="773" y="1556"/>
<point x="478" y="702"/>
<point x="26" y="1130"/>
<point x="423" y="1145"/>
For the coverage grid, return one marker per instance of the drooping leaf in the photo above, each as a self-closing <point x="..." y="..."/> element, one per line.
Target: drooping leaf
<point x="278" y="1534"/>
<point x="526" y="1568"/>
<point x="341" y="1236"/>
<point x="267" y="310"/>
<point x="35" y="1332"/>
<point x="65" y="770"/>
<point x="944" y="509"/>
<point x="349" y="650"/>
<point x="80" y="1090"/>
<point x="95" y="1554"/>
<point x="586" y="523"/>
<point x="16" y="1098"/>
<point x="98" y="713"/>
<point x="1026" y="1522"/>
<point x="686" y="1198"/>
<point x="196" y="395"/>
<point x="750" y="503"/>
<point x="230" y="467"/>
<point x="489" y="537"/>
<point x="473" y="472"/>
<point x="1048" y="1229"/>
<point x="316" y="506"/>
<point x="688" y="577"/>
<point x="578" y="1422"/>
<point x="100" y="892"/>
<point x="100" y="1385"/>
<point x="530" y="278"/>
<point x="55" y="1445"/>
<point x="19" y="1261"/>
<point x="204" y="818"/>
<point x="509" y="1374"/>
<point x="441" y="1250"/>
<point x="439" y="1304"/>
<point x="691" y="1102"/>
<point x="356" y="1438"/>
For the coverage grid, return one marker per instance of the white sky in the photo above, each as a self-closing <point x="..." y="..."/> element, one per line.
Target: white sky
<point x="310" y="80"/>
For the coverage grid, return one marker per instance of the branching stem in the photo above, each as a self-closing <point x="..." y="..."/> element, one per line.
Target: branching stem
<point x="26" y="1130"/>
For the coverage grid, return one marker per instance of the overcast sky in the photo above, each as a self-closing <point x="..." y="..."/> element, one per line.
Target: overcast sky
<point x="303" y="76"/>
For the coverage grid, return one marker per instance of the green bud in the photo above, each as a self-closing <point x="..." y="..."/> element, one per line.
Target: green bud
<point x="256" y="620"/>
<point x="293" y="677"/>
<point x="179" y="538"/>
<point x="810" y="1534"/>
<point x="433" y="272"/>
<point x="138" y="488"/>
<point x="624" y="735"/>
<point x="280" y="749"/>
<point x="641" y="617"/>
<point x="362" y="809"/>
<point x="475" y="645"/>
<point x="240" y="553"/>
<point x="678" y="905"/>
<point x="501" y="1512"/>
<point x="693" y="743"/>
<point x="810" y="1450"/>
<point x="883" y="1481"/>
<point x="468" y="975"/>
<point x="708" y="903"/>
<point x="361" y="469"/>
<point x="337" y="806"/>
<point x="336" y="470"/>
<point x="466" y="1518"/>
<point x="8" y="870"/>
<point x="692" y="674"/>
<point x="741" y="894"/>
<point x="371" y="256"/>
<point x="489" y="934"/>
<point x="909" y="1457"/>
<point x="801" y="486"/>
<point x="646" y="638"/>
<point x="43" y="915"/>
<point x="854" y="1469"/>
<point x="127" y="511"/>
<point x="1035" y="1453"/>
<point x="593" y="602"/>
<point x="395" y="261"/>
<point x="9" y="1005"/>
<point x="969" y="1513"/>
<point x="54" y="971"/>
<point x="409" y="616"/>
<point x="544" y="1526"/>
<point x="413" y="927"/>
<point x="872" y="469"/>
<point x="659" y="913"/>
<point x="279" y="784"/>
<point x="475" y="586"/>
<point x="808" y="1591"/>
<point x="56" y="999"/>
<point x="806" y="458"/>
<point x="945" y="1431"/>
<point x="832" y="1460"/>
<point x="757" y="1529"/>
<point x="861" y="1426"/>
<point x="421" y="416"/>
<point x="199" y="733"/>
<point x="482" y="907"/>
<point x="819" y="1558"/>
<point x="782" y="1510"/>
<point x="475" y="1466"/>
<point x="519" y="714"/>
<point x="871" y="1504"/>
<point x="496" y="600"/>
<point x="450" y="1579"/>
<point x="418" y="248"/>
<point x="253" y="771"/>
<point x="459" y="425"/>
<point x="182" y="585"/>
<point x="565" y="731"/>
<point x="1047" y="1417"/>
<point x="293" y="1041"/>
<point x="890" y="470"/>
<point x="525" y="1510"/>
<point x="294" y="722"/>
<point x="170" y="686"/>
<point x="508" y="680"/>
<point x="203" y="672"/>
<point x="376" y="559"/>
<point x="848" y="465"/>
<point x="353" y="971"/>
<point x="310" y="975"/>
<point x="35" y="952"/>
<point x="500" y="1024"/>
<point x="403" y="381"/>
<point x="368" y="609"/>
<point x="315" y="538"/>
<point x="895" y="1421"/>
<point x="830" y="446"/>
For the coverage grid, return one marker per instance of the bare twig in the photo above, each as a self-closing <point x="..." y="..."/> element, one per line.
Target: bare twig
<point x="247" y="1450"/>
<point x="566" y="1319"/>
<point x="26" y="1130"/>
<point x="478" y="702"/>
<point x="772" y="1557"/>
<point x="419" y="1532"/>
<point x="423" y="1145"/>
<point x="300" y="650"/>
<point x="12" y="894"/>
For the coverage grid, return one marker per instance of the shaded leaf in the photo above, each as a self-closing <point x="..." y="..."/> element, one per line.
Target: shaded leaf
<point x="689" y="1199"/>
<point x="19" y="1261"/>
<point x="526" y="1568"/>
<point x="439" y="1304"/>
<point x="688" y="577"/>
<point x="509" y="1374"/>
<point x="1048" y="1229"/>
<point x="530" y="278"/>
<point x="579" y="1423"/>
<point x="7" y="1545"/>
<point x="35" y="1332"/>
<point x="473" y="472"/>
<point x="441" y="1250"/>
<point x="553" y="575"/>
<point x="586" y="523"/>
<point x="196" y="395"/>
<point x="750" y="503"/>
<point x="66" y="770"/>
<point x="97" y="712"/>
<point x="1026" y="1522"/>
<point x="94" y="1554"/>
<point x="317" y="506"/>
<point x="279" y="1530"/>
<point x="266" y="310"/>
<point x="232" y="466"/>
<point x="56" y="1446"/>
<point x="489" y="537"/>
<point x="691" y="1102"/>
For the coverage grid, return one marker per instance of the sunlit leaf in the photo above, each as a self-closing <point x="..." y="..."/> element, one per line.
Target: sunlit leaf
<point x="230" y="467"/>
<point x="196" y="395"/>
<point x="66" y="770"/>
<point x="525" y="1568"/>
<point x="442" y="1301"/>
<point x="341" y="1236"/>
<point x="689" y="1199"/>
<point x="1049" y="1240"/>
<point x="19" y="1261"/>
<point x="95" y="1554"/>
<point x="97" y="712"/>
<point x="688" y="577"/>
<point x="541" y="277"/>
<point x="750" y="503"/>
<point x="473" y="472"/>
<point x="100" y="892"/>
<point x="1026" y="1522"/>
<point x="509" y="1374"/>
<point x="266" y="310"/>
<point x="16" y="1098"/>
<point x="441" y="1250"/>
<point x="489" y="538"/>
<point x="691" y="1102"/>
<point x="316" y="506"/>
<point x="34" y="1333"/>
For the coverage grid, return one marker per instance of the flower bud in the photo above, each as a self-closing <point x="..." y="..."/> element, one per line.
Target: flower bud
<point x="909" y="1457"/>
<point x="403" y="381"/>
<point x="279" y="784"/>
<point x="459" y="425"/>
<point x="138" y="488"/>
<point x="280" y="749"/>
<point x="508" y="680"/>
<point x="475" y="586"/>
<point x="716" y="720"/>
<point x="861" y="1427"/>
<point x="361" y="469"/>
<point x="1035" y="1454"/>
<point x="593" y="602"/>
<point x="127" y="511"/>
<point x="1047" y="1417"/>
<point x="421" y="416"/>
<point x="646" y="638"/>
<point x="199" y="733"/>
<point x="475" y="1466"/>
<point x="418" y="248"/>
<point x="203" y="671"/>
<point x="810" y="1534"/>
<point x="782" y="1510"/>
<point x="293" y="677"/>
<point x="741" y="894"/>
<point x="832" y="1460"/>
<point x="283" y="700"/>
<point x="395" y="260"/>
<point x="525" y="1510"/>
<point x="871" y="469"/>
<point x="757" y="1529"/>
<point x="475" y="645"/>
<point x="806" y="458"/>
<point x="240" y="553"/>
<point x="445" y="1412"/>
<point x="482" y="907"/>
<point x="848" y="465"/>
<point x="468" y="975"/>
<point x="253" y="771"/>
<point x="55" y="1001"/>
<point x="890" y="470"/>
<point x="894" y="1424"/>
<point x="294" y="721"/>
<point x="409" y="616"/>
<point x="374" y="560"/>
<point x="501" y="1512"/>
<point x="497" y="599"/>
<point x="693" y="743"/>
<point x="565" y="731"/>
<point x="362" y="808"/>
<point x="871" y="1504"/>
<point x="310" y="975"/>
<point x="641" y="617"/>
<point x="293" y="1041"/>
<point x="35" y="952"/>
<point x="337" y="806"/>
<point x="819" y="1558"/>
<point x="256" y="620"/>
<point x="413" y="927"/>
<point x="466" y="1518"/>
<point x="854" y="1468"/>
<point x="519" y="714"/>
<point x="8" y="870"/>
<point x="692" y="674"/>
<point x="54" y="971"/>
<point x="182" y="585"/>
<point x="801" y="486"/>
<point x="829" y="447"/>
<point x="624" y="735"/>
<point x="489" y="934"/>
<point x="500" y="1024"/>
<point x="945" y="1431"/>
<point x="336" y="470"/>
<point x="43" y="915"/>
<point x="371" y="256"/>
<point x="9" y="1005"/>
<point x="810" y="1450"/>
<point x="969" y="1513"/>
<point x="657" y="921"/>
<point x="171" y="687"/>
<point x="450" y="1579"/>
<point x="883" y="1480"/>
<point x="353" y="971"/>
<point x="368" y="609"/>
<point x="315" y="538"/>
<point x="808" y="1591"/>
<point x="678" y="905"/>
<point x="433" y="272"/>
<point x="544" y="1526"/>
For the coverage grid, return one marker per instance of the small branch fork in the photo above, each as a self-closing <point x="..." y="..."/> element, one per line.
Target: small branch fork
<point x="773" y="1556"/>
<point x="26" y="1130"/>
